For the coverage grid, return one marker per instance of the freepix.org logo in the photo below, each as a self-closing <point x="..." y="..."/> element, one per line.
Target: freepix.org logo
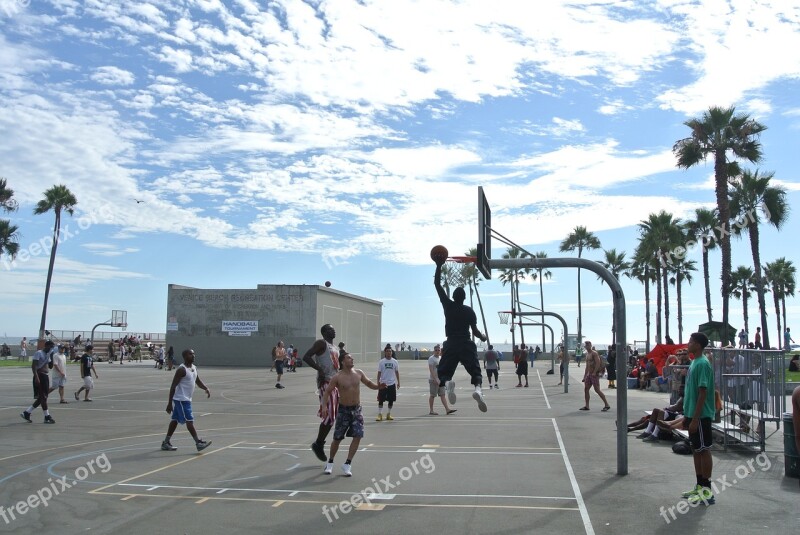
<point x="43" y="496"/>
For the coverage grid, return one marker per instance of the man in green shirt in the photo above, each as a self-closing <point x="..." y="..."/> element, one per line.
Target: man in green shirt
<point x="699" y="409"/>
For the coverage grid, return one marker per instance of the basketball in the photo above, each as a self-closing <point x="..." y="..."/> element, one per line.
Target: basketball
<point x="327" y="284"/>
<point x="439" y="253"/>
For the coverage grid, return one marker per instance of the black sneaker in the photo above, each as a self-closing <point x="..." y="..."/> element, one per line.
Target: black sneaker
<point x="49" y="419"/>
<point x="319" y="450"/>
<point x="202" y="444"/>
<point x="166" y="446"/>
<point x="26" y="415"/>
<point x="279" y="386"/>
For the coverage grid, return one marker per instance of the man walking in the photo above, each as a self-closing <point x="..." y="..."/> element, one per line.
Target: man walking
<point x="388" y="374"/>
<point x="87" y="367"/>
<point x="591" y="376"/>
<point x="492" y="366"/>
<point x="459" y="347"/>
<point x="433" y="382"/>
<point x="59" y="373"/>
<point x="180" y="401"/>
<point x="522" y="366"/>
<point x="699" y="409"/>
<point x="349" y="420"/>
<point x="787" y="340"/>
<point x="323" y="356"/>
<point x="41" y="382"/>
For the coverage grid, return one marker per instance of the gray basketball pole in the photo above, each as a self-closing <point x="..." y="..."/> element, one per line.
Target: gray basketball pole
<point x="552" y="341"/>
<point x="619" y="321"/>
<point x="564" y="326"/>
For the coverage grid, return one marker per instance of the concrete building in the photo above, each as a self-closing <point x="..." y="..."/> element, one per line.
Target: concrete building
<point x="240" y="327"/>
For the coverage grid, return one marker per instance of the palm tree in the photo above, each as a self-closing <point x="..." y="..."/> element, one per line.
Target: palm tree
<point x="752" y="201"/>
<point x="716" y="133"/>
<point x="7" y="202"/>
<point x="615" y="263"/>
<point x="681" y="271"/>
<point x="58" y="199"/>
<point x="701" y="229"/>
<point x="780" y="276"/>
<point x="8" y="239"/>
<point x="742" y="285"/>
<point x="579" y="239"/>
<point x="540" y="274"/>
<point x="661" y="235"/>
<point x="513" y="276"/>
<point x="642" y="270"/>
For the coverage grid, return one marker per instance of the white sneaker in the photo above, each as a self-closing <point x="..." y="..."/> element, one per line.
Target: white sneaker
<point x="450" y="387"/>
<point x="328" y="468"/>
<point x="346" y="470"/>
<point x="478" y="396"/>
<point x="497" y="386"/>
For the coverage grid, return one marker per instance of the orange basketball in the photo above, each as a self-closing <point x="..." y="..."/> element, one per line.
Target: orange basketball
<point x="439" y="253"/>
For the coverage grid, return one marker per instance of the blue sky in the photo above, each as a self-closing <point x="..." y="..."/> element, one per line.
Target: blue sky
<point x="294" y="142"/>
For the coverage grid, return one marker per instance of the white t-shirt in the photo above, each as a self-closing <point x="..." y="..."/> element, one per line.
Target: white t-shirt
<point x="387" y="369"/>
<point x="433" y="360"/>
<point x="59" y="361"/>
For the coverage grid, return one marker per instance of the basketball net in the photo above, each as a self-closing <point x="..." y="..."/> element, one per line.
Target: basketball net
<point x="503" y="317"/>
<point x="458" y="271"/>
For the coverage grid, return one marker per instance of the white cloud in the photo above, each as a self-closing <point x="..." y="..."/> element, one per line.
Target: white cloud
<point x="110" y="75"/>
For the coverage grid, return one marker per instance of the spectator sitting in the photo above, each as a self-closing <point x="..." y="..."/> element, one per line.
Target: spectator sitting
<point x="650" y="423"/>
<point x="794" y="364"/>
<point x="649" y="373"/>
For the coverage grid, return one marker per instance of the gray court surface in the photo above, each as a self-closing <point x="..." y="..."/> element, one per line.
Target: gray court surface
<point x="532" y="463"/>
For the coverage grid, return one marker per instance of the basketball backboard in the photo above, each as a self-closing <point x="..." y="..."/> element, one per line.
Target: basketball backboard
<point x="119" y="318"/>
<point x="484" y="235"/>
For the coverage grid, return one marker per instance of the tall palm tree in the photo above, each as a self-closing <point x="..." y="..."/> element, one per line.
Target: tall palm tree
<point x="753" y="201"/>
<point x="579" y="239"/>
<point x="9" y="239"/>
<point x="58" y="199"/>
<point x="642" y="271"/>
<point x="615" y="263"/>
<point x="780" y="276"/>
<point x="681" y="271"/>
<point x="661" y="234"/>
<point x="702" y="230"/>
<point x="718" y="132"/>
<point x="7" y="202"/>
<point x="539" y="274"/>
<point x="513" y="276"/>
<point x="742" y="285"/>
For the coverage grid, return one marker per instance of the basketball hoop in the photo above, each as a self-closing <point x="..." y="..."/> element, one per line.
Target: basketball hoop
<point x="503" y="317"/>
<point x="458" y="270"/>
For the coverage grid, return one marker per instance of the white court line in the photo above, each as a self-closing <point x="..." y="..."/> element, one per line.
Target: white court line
<point x="587" y="523"/>
<point x="382" y="450"/>
<point x="541" y="383"/>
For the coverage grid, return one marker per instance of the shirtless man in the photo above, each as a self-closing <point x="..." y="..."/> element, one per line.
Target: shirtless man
<point x="279" y="360"/>
<point x="591" y="377"/>
<point x="324" y="357"/>
<point x="349" y="420"/>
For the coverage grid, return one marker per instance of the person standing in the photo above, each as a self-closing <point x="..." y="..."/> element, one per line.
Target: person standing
<point x="170" y="358"/>
<point x="59" y="373"/>
<point x="612" y="366"/>
<point x="23" y="349"/>
<point x="522" y="366"/>
<point x="459" y="347"/>
<point x="388" y="374"/>
<point x="433" y="382"/>
<point x="758" y="344"/>
<point x="323" y="356"/>
<point x="492" y="366"/>
<point x="591" y="376"/>
<point x="699" y="409"/>
<point x="180" y="401"/>
<point x="40" y="366"/>
<point x="111" y="356"/>
<point x="349" y="420"/>
<point x="279" y="360"/>
<point x="742" y="339"/>
<point x="787" y="340"/>
<point x="87" y="367"/>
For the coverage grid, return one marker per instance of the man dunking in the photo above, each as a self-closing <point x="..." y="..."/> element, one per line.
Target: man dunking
<point x="349" y="420"/>
<point x="591" y="377"/>
<point x="324" y="357"/>
<point x="459" y="347"/>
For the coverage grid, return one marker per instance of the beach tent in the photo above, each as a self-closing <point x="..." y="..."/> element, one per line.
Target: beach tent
<point x="713" y="329"/>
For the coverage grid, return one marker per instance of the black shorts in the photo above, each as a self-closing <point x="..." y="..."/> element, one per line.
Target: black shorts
<point x="349" y="422"/>
<point x="388" y="394"/>
<point x="279" y="367"/>
<point x="43" y="388"/>
<point x="491" y="373"/>
<point x="702" y="439"/>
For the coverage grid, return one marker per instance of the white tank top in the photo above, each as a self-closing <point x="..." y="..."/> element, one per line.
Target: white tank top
<point x="185" y="388"/>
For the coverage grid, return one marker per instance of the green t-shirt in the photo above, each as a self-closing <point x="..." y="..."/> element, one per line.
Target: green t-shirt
<point x="701" y="374"/>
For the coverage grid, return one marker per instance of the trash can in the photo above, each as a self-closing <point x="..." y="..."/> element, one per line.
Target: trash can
<point x="791" y="457"/>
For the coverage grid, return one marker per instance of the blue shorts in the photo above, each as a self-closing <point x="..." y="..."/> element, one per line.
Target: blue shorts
<point x="182" y="411"/>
